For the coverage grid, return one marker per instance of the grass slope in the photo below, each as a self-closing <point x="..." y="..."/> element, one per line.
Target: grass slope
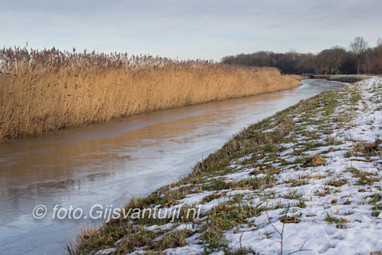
<point x="307" y="180"/>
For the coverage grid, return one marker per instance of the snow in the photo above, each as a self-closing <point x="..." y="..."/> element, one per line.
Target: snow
<point x="106" y="251"/>
<point x="189" y="249"/>
<point x="334" y="211"/>
<point x="195" y="198"/>
<point x="361" y="232"/>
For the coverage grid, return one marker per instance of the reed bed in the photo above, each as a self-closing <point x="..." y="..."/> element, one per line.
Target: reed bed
<point x="47" y="90"/>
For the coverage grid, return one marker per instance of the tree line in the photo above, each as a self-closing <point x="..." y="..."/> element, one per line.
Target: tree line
<point x="358" y="58"/>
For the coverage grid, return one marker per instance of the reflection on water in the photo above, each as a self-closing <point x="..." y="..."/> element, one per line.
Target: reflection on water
<point x="108" y="164"/>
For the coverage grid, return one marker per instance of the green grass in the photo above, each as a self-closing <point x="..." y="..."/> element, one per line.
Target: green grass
<point x="376" y="202"/>
<point x="289" y="219"/>
<point x="225" y="217"/>
<point x="364" y="178"/>
<point x="267" y="164"/>
<point x="340" y="222"/>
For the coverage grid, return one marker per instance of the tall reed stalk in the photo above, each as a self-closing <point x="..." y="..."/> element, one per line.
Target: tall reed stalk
<point x="47" y="90"/>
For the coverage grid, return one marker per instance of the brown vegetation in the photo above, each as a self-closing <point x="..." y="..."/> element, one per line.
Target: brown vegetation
<point x="49" y="90"/>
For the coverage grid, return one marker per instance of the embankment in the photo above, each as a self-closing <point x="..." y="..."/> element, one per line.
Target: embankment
<point x="43" y="91"/>
<point x="340" y="78"/>
<point x="306" y="179"/>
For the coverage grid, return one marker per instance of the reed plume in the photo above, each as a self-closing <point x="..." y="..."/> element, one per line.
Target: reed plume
<point x="45" y="90"/>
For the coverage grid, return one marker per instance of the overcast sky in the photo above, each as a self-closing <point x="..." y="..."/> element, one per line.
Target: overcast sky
<point x="206" y="29"/>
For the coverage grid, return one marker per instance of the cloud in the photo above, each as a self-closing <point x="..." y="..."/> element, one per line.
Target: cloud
<point x="189" y="29"/>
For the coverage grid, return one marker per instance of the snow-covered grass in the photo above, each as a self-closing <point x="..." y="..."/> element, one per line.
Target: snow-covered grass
<point x="305" y="181"/>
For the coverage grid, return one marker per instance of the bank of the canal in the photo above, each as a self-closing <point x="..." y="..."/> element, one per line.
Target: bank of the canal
<point x="307" y="179"/>
<point x="108" y="164"/>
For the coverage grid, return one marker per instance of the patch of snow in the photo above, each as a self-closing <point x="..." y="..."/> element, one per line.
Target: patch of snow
<point x="106" y="251"/>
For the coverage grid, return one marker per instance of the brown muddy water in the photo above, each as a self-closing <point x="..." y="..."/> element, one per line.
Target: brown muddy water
<point x="106" y="165"/>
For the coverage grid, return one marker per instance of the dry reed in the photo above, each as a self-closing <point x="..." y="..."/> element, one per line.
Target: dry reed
<point x="47" y="90"/>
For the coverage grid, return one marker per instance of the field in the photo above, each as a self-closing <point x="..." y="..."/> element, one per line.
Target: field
<point x="48" y="90"/>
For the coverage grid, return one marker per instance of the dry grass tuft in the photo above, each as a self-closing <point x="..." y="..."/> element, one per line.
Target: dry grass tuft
<point x="290" y="219"/>
<point x="47" y="90"/>
<point x="365" y="149"/>
<point x="316" y="160"/>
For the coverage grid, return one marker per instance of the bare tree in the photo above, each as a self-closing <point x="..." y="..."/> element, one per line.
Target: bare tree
<point x="358" y="47"/>
<point x="323" y="62"/>
<point x="337" y="56"/>
<point x="378" y="56"/>
<point x="379" y="42"/>
<point x="373" y="63"/>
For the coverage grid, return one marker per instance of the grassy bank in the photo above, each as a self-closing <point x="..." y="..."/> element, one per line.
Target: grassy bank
<point x="41" y="91"/>
<point x="340" y="78"/>
<point x="305" y="179"/>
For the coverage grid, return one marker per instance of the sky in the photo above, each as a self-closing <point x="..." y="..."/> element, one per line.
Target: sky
<point x="189" y="29"/>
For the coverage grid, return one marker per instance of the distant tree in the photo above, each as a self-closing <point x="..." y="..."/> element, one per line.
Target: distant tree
<point x="334" y="60"/>
<point x="241" y="59"/>
<point x="337" y="57"/>
<point x="323" y="62"/>
<point x="379" y="42"/>
<point x="378" y="56"/>
<point x="349" y="64"/>
<point x="306" y="63"/>
<point x="330" y="60"/>
<point x="229" y="60"/>
<point x="287" y="62"/>
<point x="373" y="59"/>
<point x="358" y="47"/>
<point x="262" y="58"/>
<point x="369" y="63"/>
